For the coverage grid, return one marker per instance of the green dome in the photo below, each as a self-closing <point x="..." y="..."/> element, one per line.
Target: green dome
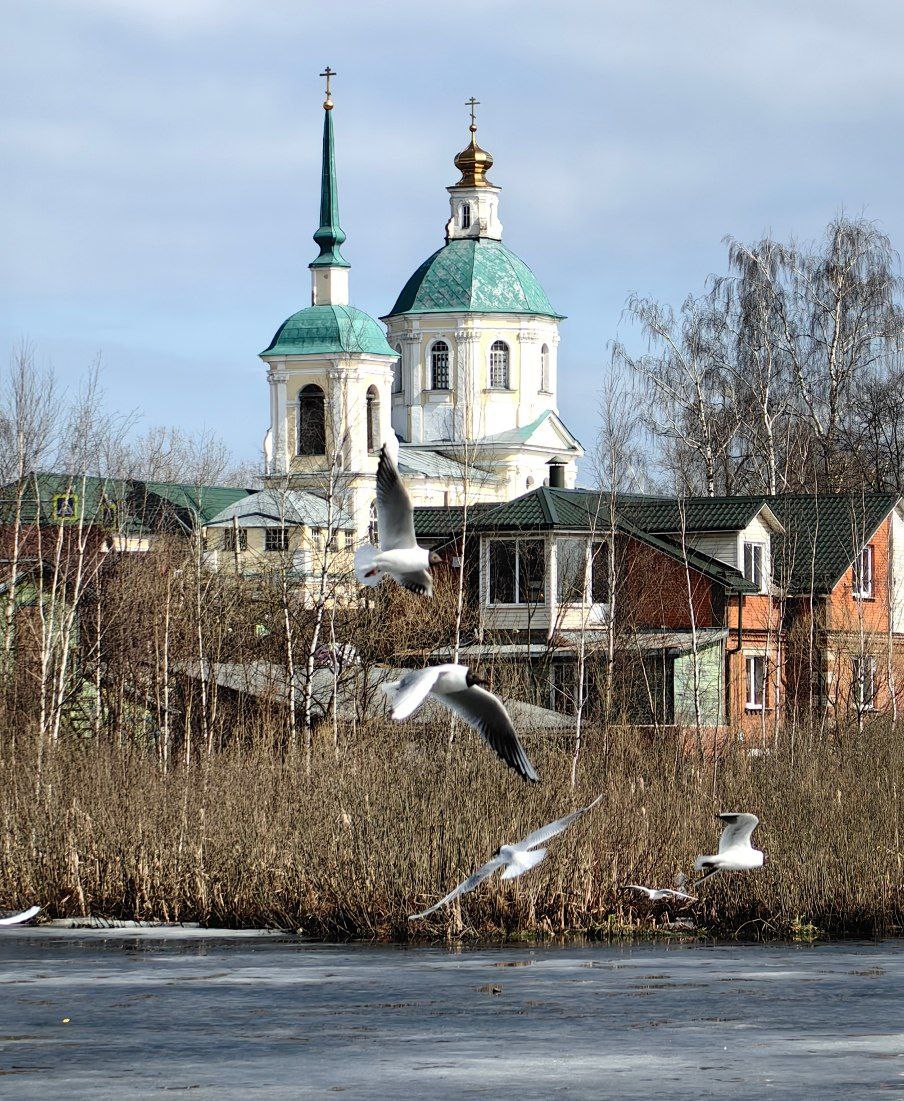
<point x="473" y="274"/>
<point x="325" y="330"/>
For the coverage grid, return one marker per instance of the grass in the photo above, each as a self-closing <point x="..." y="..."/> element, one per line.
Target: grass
<point x="393" y="820"/>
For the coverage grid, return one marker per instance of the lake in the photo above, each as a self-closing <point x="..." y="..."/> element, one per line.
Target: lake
<point x="114" y="1014"/>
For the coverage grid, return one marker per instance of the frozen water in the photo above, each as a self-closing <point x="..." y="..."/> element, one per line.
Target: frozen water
<point x="275" y="1017"/>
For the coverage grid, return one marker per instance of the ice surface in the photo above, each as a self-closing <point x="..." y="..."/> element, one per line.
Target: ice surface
<point x="274" y="1017"/>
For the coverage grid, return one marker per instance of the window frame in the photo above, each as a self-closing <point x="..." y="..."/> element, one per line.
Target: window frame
<point x="372" y="416"/>
<point x="751" y="663"/>
<point x="70" y="517"/>
<point x="464" y="220"/>
<point x="397" y="371"/>
<point x="500" y="347"/>
<point x="270" y="533"/>
<point x="373" y="525"/>
<point x="434" y="351"/>
<point x="517" y="586"/>
<point x="309" y="393"/>
<point x="230" y="541"/>
<point x="859" y="575"/>
<point x="545" y="387"/>
<point x="755" y="545"/>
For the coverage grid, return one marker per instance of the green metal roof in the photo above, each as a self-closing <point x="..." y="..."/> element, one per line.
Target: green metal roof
<point x="473" y="275"/>
<point x="440" y="522"/>
<point x="662" y="514"/>
<point x="823" y="536"/>
<point x="329" y="330"/>
<point x="126" y="505"/>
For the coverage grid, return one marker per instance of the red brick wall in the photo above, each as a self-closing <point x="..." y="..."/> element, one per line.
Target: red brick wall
<point x="654" y="591"/>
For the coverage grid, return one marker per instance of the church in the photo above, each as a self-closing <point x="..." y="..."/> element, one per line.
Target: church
<point x="463" y="369"/>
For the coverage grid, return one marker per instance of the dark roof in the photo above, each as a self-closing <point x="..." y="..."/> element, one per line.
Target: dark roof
<point x="441" y="522"/>
<point x="127" y="505"/>
<point x="823" y="535"/>
<point x="700" y="513"/>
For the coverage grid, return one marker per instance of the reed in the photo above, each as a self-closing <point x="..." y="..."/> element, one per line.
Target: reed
<point x="394" y="818"/>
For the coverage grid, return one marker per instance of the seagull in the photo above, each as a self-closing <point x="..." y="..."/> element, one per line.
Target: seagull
<point x="735" y="854"/>
<point x="658" y="894"/>
<point x="517" y="858"/>
<point x="457" y="687"/>
<point x="398" y="554"/>
<point x="11" y="917"/>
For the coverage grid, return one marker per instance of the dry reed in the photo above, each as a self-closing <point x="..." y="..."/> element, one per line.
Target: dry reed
<point x="396" y="818"/>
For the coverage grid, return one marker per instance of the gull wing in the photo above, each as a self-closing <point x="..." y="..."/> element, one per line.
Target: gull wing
<point x="408" y="692"/>
<point x="738" y="829"/>
<point x="467" y="885"/>
<point x="487" y="714"/>
<point x="395" y="517"/>
<point x="23" y="916"/>
<point x="678" y="894"/>
<point x="648" y="891"/>
<point x="545" y="832"/>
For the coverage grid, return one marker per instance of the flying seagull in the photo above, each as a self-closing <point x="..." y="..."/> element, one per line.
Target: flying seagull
<point x="11" y="917"/>
<point x="658" y="894"/>
<point x="398" y="555"/>
<point x="517" y="858"/>
<point x="457" y="688"/>
<point x="735" y="854"/>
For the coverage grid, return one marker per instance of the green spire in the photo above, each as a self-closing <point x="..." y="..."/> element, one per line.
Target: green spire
<point x="329" y="236"/>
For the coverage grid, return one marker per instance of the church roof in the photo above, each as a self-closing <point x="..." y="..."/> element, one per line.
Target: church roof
<point x="327" y="330"/>
<point x="473" y="275"/>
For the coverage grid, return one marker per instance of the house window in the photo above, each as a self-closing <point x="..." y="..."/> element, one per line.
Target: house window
<point x="439" y="366"/>
<point x="397" y="372"/>
<point x="373" y="525"/>
<point x="756" y="682"/>
<point x="544" y="368"/>
<point x="517" y="570"/>
<point x="864" y="683"/>
<point x="571" y="570"/>
<point x="64" y="506"/>
<point x="862" y="574"/>
<point x="599" y="573"/>
<point x="754" y="560"/>
<point x="229" y="539"/>
<point x="311" y="421"/>
<point x="465" y="215"/>
<point x="373" y="418"/>
<point x="499" y="365"/>
<point x="276" y="539"/>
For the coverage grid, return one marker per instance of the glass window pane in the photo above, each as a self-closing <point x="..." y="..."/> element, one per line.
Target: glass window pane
<point x="599" y="574"/>
<point x="502" y="571"/>
<point x="531" y="571"/>
<point x="571" y="563"/>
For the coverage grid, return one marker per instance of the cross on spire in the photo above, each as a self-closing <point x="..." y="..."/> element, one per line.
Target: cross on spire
<point x="473" y="103"/>
<point x="328" y="73"/>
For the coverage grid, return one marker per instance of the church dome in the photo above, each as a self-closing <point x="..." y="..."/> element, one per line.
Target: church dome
<point x="328" y="330"/>
<point x="476" y="275"/>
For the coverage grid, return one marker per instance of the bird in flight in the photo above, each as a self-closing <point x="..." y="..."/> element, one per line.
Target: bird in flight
<point x="735" y="854"/>
<point x="659" y="894"/>
<point x="398" y="554"/>
<point x="461" y="691"/>
<point x="516" y="859"/>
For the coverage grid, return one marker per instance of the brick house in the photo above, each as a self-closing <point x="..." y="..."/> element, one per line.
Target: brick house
<point x="708" y="612"/>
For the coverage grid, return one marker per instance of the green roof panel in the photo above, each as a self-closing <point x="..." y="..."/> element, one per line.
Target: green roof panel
<point x="473" y="275"/>
<point x="329" y="330"/>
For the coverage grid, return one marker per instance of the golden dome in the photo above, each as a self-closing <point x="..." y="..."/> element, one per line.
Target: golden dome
<point x="474" y="163"/>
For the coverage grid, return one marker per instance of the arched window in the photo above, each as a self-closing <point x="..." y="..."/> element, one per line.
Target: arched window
<point x="544" y="368"/>
<point x="373" y="525"/>
<point x="499" y="365"/>
<point x="439" y="366"/>
<point x="465" y="215"/>
<point x="373" y="418"/>
<point x="397" y="371"/>
<point x="311" y="421"/>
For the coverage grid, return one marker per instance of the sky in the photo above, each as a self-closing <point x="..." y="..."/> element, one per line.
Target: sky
<point x="160" y="179"/>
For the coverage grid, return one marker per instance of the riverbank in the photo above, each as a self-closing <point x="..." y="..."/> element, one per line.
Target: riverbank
<point x="385" y="824"/>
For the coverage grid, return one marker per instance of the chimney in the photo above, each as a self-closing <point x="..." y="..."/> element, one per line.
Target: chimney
<point x="556" y="474"/>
